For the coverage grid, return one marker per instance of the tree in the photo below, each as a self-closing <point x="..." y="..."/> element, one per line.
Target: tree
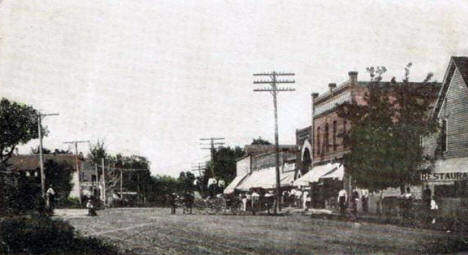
<point x="138" y="176"/>
<point x="18" y="125"/>
<point x="223" y="164"/>
<point x="97" y="152"/>
<point x="260" y="141"/>
<point x="385" y="133"/>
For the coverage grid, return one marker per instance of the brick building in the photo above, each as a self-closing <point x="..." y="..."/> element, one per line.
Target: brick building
<point x="321" y="143"/>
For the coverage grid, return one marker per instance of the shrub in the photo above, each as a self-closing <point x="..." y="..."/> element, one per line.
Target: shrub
<point x="39" y="235"/>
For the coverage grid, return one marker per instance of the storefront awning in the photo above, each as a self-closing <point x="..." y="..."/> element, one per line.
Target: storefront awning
<point x="230" y="188"/>
<point x="335" y="173"/>
<point x="266" y="179"/>
<point x="315" y="173"/>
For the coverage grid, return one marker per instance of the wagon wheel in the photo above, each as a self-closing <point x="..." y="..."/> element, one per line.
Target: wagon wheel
<point x="211" y="206"/>
<point x="235" y="207"/>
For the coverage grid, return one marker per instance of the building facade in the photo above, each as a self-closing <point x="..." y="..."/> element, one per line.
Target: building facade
<point x="447" y="175"/>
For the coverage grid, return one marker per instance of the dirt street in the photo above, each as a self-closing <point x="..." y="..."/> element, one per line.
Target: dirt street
<point x="155" y="231"/>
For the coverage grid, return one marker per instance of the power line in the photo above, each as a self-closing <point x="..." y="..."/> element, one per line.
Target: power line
<point x="274" y="90"/>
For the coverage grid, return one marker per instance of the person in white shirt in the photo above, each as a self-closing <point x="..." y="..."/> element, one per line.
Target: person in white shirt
<point x="305" y="196"/>
<point x="434" y="209"/>
<point x="50" y="195"/>
<point x="342" y="198"/>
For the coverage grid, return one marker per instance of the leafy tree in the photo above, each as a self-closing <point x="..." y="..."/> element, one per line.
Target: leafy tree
<point x="260" y="141"/>
<point x="18" y="125"/>
<point x="159" y="188"/>
<point x="97" y="152"/>
<point x="223" y="164"/>
<point x="385" y="133"/>
<point x="138" y="176"/>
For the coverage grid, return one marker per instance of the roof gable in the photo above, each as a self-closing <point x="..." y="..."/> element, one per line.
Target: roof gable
<point x="456" y="63"/>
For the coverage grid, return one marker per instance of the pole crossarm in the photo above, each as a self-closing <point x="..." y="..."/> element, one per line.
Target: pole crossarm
<point x="270" y="90"/>
<point x="212" y="148"/>
<point x="80" y="141"/>
<point x="277" y="82"/>
<point x="274" y="73"/>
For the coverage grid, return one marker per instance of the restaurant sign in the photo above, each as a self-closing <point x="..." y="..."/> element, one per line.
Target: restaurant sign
<point x="451" y="176"/>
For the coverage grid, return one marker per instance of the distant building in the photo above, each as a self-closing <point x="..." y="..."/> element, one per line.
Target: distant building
<point x="257" y="169"/>
<point x="83" y="185"/>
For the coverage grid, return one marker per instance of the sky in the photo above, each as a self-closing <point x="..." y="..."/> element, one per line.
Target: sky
<point x="153" y="77"/>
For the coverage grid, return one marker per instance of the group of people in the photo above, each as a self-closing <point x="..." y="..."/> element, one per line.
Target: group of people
<point x="354" y="200"/>
<point x="299" y="198"/>
<point x="187" y="199"/>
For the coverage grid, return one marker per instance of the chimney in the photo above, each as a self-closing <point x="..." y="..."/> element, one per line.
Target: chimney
<point x="331" y="86"/>
<point x="353" y="77"/>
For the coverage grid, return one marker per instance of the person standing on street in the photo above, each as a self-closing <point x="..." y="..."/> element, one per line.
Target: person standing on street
<point x="50" y="194"/>
<point x="434" y="210"/>
<point x="365" y="201"/>
<point x="244" y="202"/>
<point x="354" y="203"/>
<point x="426" y="197"/>
<point x="407" y="204"/>
<point x="172" y="202"/>
<point x="305" y="196"/>
<point x="342" y="198"/>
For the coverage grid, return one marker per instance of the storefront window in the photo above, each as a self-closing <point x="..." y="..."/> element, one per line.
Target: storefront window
<point x="456" y="190"/>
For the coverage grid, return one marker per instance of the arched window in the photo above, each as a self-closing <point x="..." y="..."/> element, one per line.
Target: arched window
<point x="306" y="161"/>
<point x="317" y="151"/>
<point x="334" y="135"/>
<point x="325" y="139"/>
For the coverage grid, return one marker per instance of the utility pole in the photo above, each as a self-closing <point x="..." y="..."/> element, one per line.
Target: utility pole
<point x="213" y="143"/>
<point x="77" y="166"/>
<point x="104" y="181"/>
<point x="121" y="184"/>
<point x="41" y="157"/>
<point x="198" y="169"/>
<point x="274" y="90"/>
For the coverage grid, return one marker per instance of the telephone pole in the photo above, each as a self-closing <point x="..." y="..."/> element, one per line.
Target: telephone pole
<point x="40" y="116"/>
<point x="213" y="143"/>
<point x="198" y="168"/>
<point x="274" y="90"/>
<point x="77" y="167"/>
<point x="104" y="181"/>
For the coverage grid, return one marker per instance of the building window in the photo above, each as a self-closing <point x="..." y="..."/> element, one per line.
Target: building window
<point x="344" y="132"/>
<point x="334" y="135"/>
<point x="325" y="139"/>
<point x="317" y="152"/>
<point x="444" y="142"/>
